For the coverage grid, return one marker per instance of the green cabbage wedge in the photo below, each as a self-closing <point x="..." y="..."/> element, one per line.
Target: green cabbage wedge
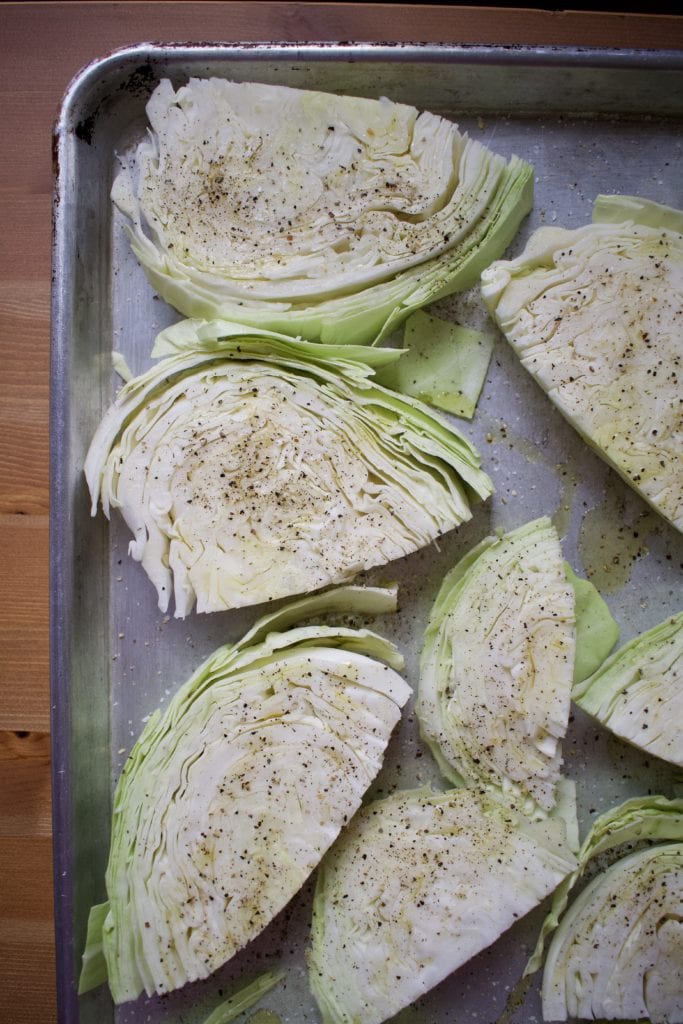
<point x="594" y="315"/>
<point x="230" y="797"/>
<point x="618" y="950"/>
<point x="417" y="885"/>
<point x="329" y="217"/>
<point x="497" y="666"/>
<point x="258" y="466"/>
<point x="638" y="692"/>
<point x="638" y="820"/>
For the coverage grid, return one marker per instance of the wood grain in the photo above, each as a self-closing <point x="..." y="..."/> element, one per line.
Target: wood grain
<point x="25" y="790"/>
<point x="27" y="959"/>
<point x="43" y="45"/>
<point x="24" y="697"/>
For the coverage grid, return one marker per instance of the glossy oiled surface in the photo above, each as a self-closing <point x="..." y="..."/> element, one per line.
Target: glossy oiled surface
<point x="42" y="47"/>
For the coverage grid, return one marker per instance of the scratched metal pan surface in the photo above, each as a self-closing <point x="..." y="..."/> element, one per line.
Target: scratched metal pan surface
<point x="589" y="122"/>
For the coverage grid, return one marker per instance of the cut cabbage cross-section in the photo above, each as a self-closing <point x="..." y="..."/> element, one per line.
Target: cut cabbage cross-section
<point x="636" y="821"/>
<point x="638" y="691"/>
<point x="618" y="951"/>
<point x="417" y="885"/>
<point x="260" y="467"/>
<point x="330" y="217"/>
<point x="595" y="316"/>
<point x="497" y="665"/>
<point x="230" y="797"/>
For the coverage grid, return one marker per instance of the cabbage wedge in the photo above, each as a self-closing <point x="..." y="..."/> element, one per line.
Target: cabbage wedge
<point x="638" y="692"/>
<point x="497" y="666"/>
<point x="252" y="467"/>
<point x="648" y="819"/>
<point x="594" y="315"/>
<point x="417" y="885"/>
<point x="329" y="217"/>
<point x="229" y="798"/>
<point x="616" y="952"/>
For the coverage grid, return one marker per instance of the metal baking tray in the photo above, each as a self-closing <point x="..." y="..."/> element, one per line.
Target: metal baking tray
<point x="589" y="121"/>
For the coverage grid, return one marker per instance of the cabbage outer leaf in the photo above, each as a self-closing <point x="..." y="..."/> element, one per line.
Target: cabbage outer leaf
<point x="245" y="998"/>
<point x="442" y="363"/>
<point x="330" y="217"/>
<point x="497" y="666"/>
<point x="638" y="692"/>
<point x="229" y="798"/>
<point x="256" y="467"/>
<point x="417" y="885"/>
<point x="618" y="951"/>
<point x="596" y="630"/>
<point x="594" y="315"/>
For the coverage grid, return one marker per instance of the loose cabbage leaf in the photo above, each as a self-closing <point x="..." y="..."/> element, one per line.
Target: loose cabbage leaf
<point x="442" y="363"/>
<point x="596" y="630"/>
<point x="497" y="665"/>
<point x="594" y="315"/>
<point x="417" y="885"/>
<point x="229" y="798"/>
<point x="330" y="217"/>
<point x="243" y="1000"/>
<point x="638" y="692"/>
<point x="254" y="467"/>
<point x="94" y="967"/>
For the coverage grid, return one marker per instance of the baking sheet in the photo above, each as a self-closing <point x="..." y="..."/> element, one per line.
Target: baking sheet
<point x="589" y="122"/>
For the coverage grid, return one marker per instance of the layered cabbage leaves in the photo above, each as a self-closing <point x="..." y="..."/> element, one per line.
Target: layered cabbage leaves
<point x="417" y="885"/>
<point x="638" y="692"/>
<point x="329" y="217"/>
<point x="594" y="315"/>
<point x="497" y="665"/>
<point x="253" y="466"/>
<point x="229" y="798"/>
<point x="617" y="951"/>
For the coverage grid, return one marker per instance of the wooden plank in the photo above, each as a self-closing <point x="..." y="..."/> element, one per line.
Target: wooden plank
<point x="24" y="670"/>
<point x="25" y="805"/>
<point x="27" y="962"/>
<point x="88" y="30"/>
<point x="24" y="397"/>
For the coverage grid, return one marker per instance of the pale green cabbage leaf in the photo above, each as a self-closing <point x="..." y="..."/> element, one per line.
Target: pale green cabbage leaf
<point x="330" y="217"/>
<point x="441" y="363"/>
<point x="245" y="998"/>
<point x="596" y="630"/>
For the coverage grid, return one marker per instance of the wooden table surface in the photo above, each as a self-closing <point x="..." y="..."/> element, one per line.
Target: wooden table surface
<point x="42" y="45"/>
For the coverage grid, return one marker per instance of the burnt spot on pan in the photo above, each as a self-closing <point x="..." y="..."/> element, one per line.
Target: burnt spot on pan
<point x="84" y="129"/>
<point x="141" y="80"/>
